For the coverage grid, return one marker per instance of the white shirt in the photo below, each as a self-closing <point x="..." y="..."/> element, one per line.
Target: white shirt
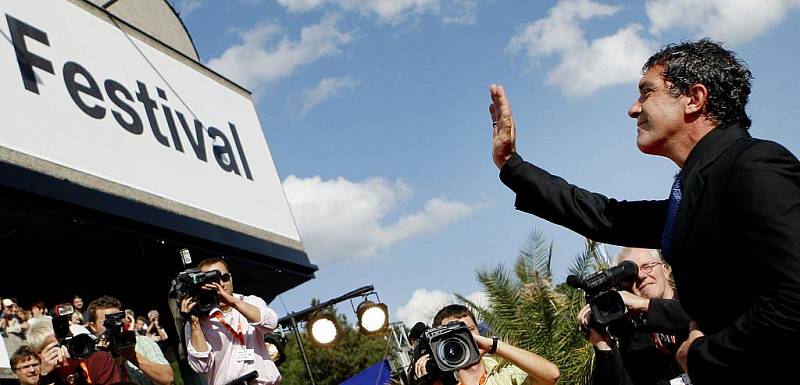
<point x="222" y="361"/>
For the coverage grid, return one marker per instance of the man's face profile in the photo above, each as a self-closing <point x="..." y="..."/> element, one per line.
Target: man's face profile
<point x="659" y="115"/>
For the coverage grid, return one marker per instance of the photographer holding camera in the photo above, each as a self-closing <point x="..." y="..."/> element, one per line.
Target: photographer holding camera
<point x="525" y="368"/>
<point x="642" y="350"/>
<point x="143" y="360"/>
<point x="58" y="366"/>
<point x="227" y="342"/>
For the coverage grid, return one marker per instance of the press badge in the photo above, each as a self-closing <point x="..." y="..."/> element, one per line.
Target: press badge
<point x="243" y="354"/>
<point x="682" y="380"/>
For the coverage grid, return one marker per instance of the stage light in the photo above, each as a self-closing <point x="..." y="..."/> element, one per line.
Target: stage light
<point x="324" y="329"/>
<point x="373" y="318"/>
<point x="276" y="347"/>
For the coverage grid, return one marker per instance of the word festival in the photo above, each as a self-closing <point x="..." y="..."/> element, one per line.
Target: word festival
<point x="87" y="95"/>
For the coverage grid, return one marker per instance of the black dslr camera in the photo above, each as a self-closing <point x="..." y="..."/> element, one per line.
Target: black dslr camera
<point x="190" y="284"/>
<point x="115" y="335"/>
<point x="79" y="346"/>
<point x="451" y="347"/>
<point x="601" y="291"/>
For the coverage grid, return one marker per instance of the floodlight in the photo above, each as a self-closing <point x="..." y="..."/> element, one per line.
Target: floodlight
<point x="373" y="318"/>
<point x="323" y="329"/>
<point x="276" y="347"/>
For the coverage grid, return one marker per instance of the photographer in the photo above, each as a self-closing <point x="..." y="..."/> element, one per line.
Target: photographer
<point x="644" y="352"/>
<point x="227" y="343"/>
<point x="58" y="367"/>
<point x="144" y="362"/>
<point x="525" y="368"/>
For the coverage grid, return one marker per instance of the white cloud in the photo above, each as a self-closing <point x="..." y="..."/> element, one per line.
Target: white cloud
<point x="395" y="11"/>
<point x="325" y="89"/>
<point x="339" y="219"/>
<point x="424" y="304"/>
<point x="607" y="61"/>
<point x="583" y="66"/>
<point x="732" y="21"/>
<point x="266" y="53"/>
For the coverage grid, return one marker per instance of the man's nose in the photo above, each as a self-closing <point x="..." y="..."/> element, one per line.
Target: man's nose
<point x="635" y="110"/>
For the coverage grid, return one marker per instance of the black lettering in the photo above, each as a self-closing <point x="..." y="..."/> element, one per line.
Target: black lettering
<point x="197" y="140"/>
<point x="26" y="59"/>
<point x="74" y="88"/>
<point x="241" y="151"/>
<point x="170" y="121"/>
<point x="112" y="89"/>
<point x="219" y="151"/>
<point x="149" y="107"/>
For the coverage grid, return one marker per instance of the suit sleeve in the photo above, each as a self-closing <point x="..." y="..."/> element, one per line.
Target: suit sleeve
<point x="636" y="224"/>
<point x="765" y="193"/>
<point x="609" y="369"/>
<point x="667" y="316"/>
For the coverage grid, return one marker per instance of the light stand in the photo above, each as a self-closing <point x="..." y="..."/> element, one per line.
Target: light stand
<point x="290" y="321"/>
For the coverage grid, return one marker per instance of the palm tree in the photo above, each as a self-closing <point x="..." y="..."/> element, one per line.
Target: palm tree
<point x="528" y="310"/>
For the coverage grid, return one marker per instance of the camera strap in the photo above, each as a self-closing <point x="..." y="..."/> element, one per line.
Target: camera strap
<point x="237" y="334"/>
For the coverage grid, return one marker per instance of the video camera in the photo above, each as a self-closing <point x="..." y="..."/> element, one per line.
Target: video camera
<point x="190" y="283"/>
<point x="451" y="347"/>
<point x="601" y="291"/>
<point x="115" y="335"/>
<point x="79" y="346"/>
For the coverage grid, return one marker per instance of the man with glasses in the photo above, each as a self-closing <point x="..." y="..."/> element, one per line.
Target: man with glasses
<point x="25" y="363"/>
<point x="228" y="342"/>
<point x="642" y="350"/>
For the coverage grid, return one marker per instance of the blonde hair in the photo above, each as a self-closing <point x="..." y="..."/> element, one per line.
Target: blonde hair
<point x="37" y="334"/>
<point x="626" y="251"/>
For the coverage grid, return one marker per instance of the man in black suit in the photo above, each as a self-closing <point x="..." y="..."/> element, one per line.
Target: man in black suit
<point x="731" y="228"/>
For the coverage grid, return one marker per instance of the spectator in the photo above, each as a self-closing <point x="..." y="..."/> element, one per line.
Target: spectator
<point x="77" y="305"/>
<point x="154" y="329"/>
<point x="25" y="363"/>
<point x="144" y="364"/>
<point x="140" y="327"/>
<point x="10" y="321"/>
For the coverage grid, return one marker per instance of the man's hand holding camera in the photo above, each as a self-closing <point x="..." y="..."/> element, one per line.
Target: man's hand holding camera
<point x="599" y="338"/>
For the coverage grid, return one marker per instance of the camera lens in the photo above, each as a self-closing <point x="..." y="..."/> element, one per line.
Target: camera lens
<point x="453" y="351"/>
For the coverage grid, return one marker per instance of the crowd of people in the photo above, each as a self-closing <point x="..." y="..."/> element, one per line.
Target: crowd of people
<point x="17" y="319"/>
<point x="45" y="339"/>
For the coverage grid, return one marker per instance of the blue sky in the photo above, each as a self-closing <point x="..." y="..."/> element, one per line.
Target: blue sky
<point x="375" y="112"/>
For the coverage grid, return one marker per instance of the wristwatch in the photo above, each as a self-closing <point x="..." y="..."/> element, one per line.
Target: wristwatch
<point x="494" y="345"/>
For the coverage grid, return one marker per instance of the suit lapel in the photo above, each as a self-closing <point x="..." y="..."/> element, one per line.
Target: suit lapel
<point x="707" y="150"/>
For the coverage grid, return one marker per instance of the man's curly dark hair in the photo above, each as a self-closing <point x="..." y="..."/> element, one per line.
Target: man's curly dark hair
<point x="705" y="62"/>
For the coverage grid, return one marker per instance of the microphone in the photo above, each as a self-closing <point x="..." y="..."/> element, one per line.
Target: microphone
<point x="417" y="331"/>
<point x="604" y="279"/>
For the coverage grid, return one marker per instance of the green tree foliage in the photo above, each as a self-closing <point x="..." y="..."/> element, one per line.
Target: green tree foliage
<point x="529" y="311"/>
<point x="353" y="353"/>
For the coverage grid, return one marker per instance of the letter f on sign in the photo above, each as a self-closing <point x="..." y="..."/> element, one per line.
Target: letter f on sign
<point x="26" y="59"/>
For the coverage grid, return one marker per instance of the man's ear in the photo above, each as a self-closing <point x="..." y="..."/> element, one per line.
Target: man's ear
<point x="698" y="98"/>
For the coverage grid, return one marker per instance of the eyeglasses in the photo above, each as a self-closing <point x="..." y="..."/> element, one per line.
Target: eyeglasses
<point x="225" y="277"/>
<point x="29" y="366"/>
<point x="648" y="267"/>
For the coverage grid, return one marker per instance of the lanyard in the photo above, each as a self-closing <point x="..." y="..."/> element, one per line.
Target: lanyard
<point x="237" y="334"/>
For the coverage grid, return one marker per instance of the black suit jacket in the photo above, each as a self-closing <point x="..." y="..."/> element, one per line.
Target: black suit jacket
<point x="735" y="252"/>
